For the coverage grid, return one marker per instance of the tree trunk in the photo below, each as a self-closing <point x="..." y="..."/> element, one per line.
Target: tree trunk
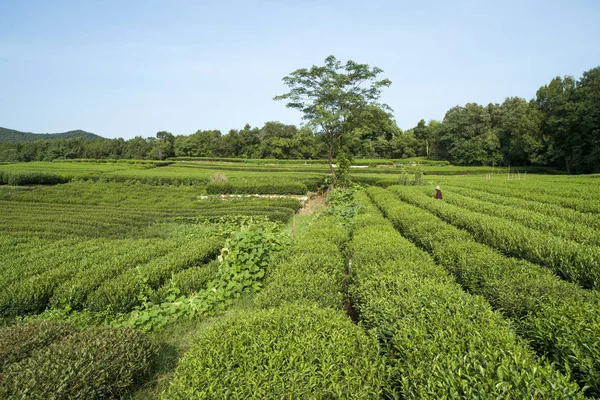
<point x="568" y="166"/>
<point x="330" y="157"/>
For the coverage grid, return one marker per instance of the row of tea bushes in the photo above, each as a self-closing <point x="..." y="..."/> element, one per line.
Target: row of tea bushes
<point x="296" y="351"/>
<point x="572" y="261"/>
<point x="244" y="167"/>
<point x="313" y="269"/>
<point x="441" y="341"/>
<point x="542" y="222"/>
<point x="135" y="199"/>
<point x="39" y="219"/>
<point x="256" y="161"/>
<point x="122" y="293"/>
<point x="298" y="344"/>
<point x="252" y="187"/>
<point x="560" y="195"/>
<point x="69" y="281"/>
<point x="17" y="178"/>
<point x="215" y="181"/>
<point x="567" y="215"/>
<point x="277" y="161"/>
<point x="51" y="360"/>
<point x="143" y="179"/>
<point x="560" y="320"/>
<point x="156" y="163"/>
<point x="271" y="185"/>
<point x="217" y="202"/>
<point x="33" y="219"/>
<point x="251" y="180"/>
<point x="277" y="214"/>
<point x="42" y="255"/>
<point x="577" y="187"/>
<point x="188" y="281"/>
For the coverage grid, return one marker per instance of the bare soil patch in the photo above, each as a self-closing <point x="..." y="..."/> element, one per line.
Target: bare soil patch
<point x="315" y="203"/>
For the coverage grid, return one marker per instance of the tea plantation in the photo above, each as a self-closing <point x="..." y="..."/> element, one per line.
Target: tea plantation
<point x="208" y="279"/>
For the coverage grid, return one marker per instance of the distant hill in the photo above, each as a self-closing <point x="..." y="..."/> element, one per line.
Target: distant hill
<point x="13" y="136"/>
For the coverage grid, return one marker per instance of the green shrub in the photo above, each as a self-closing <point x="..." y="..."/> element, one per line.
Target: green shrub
<point x="552" y="211"/>
<point x="249" y="160"/>
<point x="441" y="341"/>
<point x="275" y="187"/>
<point x="17" y="178"/>
<point x="292" y="352"/>
<point x="572" y="261"/>
<point x="19" y="341"/>
<point x="249" y="202"/>
<point x="188" y="281"/>
<point x="94" y="364"/>
<point x="543" y="222"/>
<point x="559" y="202"/>
<point x="386" y="182"/>
<point x="122" y="293"/>
<point x="193" y="279"/>
<point x="311" y="270"/>
<point x="70" y="282"/>
<point x="244" y="259"/>
<point x="281" y="214"/>
<point x="316" y="277"/>
<point x="560" y="320"/>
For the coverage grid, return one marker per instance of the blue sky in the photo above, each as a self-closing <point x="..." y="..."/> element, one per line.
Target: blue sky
<point x="129" y="68"/>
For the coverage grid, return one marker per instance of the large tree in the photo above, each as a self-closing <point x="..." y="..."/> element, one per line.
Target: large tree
<point x="424" y="135"/>
<point x="468" y="136"/>
<point x="556" y="101"/>
<point x="587" y="96"/>
<point x="371" y="130"/>
<point x="328" y="95"/>
<point x="164" y="146"/>
<point x="199" y="144"/>
<point x="521" y="136"/>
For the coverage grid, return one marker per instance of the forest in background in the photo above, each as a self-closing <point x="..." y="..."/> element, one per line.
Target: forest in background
<point x="559" y="127"/>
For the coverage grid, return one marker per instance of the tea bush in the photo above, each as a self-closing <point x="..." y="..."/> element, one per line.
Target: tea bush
<point x="550" y="210"/>
<point x="311" y="270"/>
<point x="441" y="342"/>
<point x="242" y="187"/>
<point x="293" y="352"/>
<point x="557" y="226"/>
<point x="94" y="364"/>
<point x="562" y="194"/>
<point x="20" y="340"/>
<point x="122" y="293"/>
<point x="560" y="320"/>
<point x="188" y="281"/>
<point x="572" y="261"/>
<point x="279" y="214"/>
<point x="69" y="282"/>
<point x="16" y="178"/>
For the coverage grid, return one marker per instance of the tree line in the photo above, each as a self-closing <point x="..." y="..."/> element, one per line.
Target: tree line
<point x="559" y="127"/>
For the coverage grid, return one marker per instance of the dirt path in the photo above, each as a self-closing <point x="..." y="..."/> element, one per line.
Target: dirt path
<point x="315" y="203"/>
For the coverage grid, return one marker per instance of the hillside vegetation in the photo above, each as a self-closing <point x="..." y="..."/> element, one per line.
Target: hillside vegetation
<point x="14" y="136"/>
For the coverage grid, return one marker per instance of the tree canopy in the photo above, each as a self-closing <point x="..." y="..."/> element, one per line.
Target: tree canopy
<point x="329" y="95"/>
